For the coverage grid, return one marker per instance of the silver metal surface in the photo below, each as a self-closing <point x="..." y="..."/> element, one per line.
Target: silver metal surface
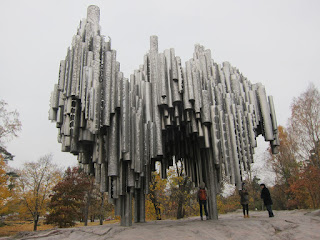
<point x="203" y="114"/>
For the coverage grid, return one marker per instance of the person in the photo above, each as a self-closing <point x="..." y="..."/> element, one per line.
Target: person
<point x="244" y="201"/>
<point x="202" y="199"/>
<point x="265" y="195"/>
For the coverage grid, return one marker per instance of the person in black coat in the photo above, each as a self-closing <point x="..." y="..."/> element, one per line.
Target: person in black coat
<point x="265" y="195"/>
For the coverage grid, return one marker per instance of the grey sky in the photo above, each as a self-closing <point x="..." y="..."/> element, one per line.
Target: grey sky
<point x="276" y="43"/>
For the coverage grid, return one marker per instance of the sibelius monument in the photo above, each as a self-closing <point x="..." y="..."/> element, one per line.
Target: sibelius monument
<point x="205" y="115"/>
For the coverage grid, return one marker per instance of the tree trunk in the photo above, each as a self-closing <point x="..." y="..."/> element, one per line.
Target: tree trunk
<point x="252" y="190"/>
<point x="180" y="209"/>
<point x="155" y="205"/>
<point x="101" y="209"/>
<point x="35" y="222"/>
<point x="158" y="213"/>
<point x="181" y="200"/>
<point x="86" y="210"/>
<point x="157" y="210"/>
<point x="181" y="191"/>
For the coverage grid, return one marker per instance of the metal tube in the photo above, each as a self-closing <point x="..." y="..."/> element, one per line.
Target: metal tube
<point x="265" y="112"/>
<point x="113" y="159"/>
<point x="107" y="81"/>
<point x="120" y="128"/>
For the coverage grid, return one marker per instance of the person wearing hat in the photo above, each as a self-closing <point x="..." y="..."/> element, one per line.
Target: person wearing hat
<point x="244" y="201"/>
<point x="202" y="199"/>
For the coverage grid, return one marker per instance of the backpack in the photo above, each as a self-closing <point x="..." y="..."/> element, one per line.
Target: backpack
<point x="202" y="195"/>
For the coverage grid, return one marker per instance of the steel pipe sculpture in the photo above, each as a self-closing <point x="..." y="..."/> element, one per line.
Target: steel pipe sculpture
<point x="203" y="114"/>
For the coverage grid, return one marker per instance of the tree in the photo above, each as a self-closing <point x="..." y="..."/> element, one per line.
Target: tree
<point x="9" y="201"/>
<point x="286" y="168"/>
<point x="10" y="125"/>
<point x="89" y="199"/>
<point x="297" y="166"/>
<point x="228" y="204"/>
<point x="35" y="182"/>
<point x="253" y="187"/>
<point x="305" y="124"/>
<point x="157" y="196"/>
<point x="284" y="164"/>
<point x="181" y="190"/>
<point x="105" y="208"/>
<point x="68" y="198"/>
<point x="4" y="189"/>
<point x="305" y="129"/>
<point x="305" y="188"/>
<point x="96" y="207"/>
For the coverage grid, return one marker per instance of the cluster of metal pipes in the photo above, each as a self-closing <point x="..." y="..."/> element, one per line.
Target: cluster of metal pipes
<point x="203" y="114"/>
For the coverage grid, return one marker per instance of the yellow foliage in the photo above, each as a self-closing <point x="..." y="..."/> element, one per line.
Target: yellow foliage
<point x="14" y="227"/>
<point x="156" y="198"/>
<point x="34" y="186"/>
<point x="4" y="191"/>
<point x="228" y="204"/>
<point x="166" y="195"/>
<point x="150" y="212"/>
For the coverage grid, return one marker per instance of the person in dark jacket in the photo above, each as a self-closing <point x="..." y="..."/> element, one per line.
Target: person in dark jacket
<point x="202" y="198"/>
<point x="265" y="195"/>
<point x="244" y="200"/>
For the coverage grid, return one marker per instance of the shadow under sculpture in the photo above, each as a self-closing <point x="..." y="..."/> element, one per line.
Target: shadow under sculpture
<point x="201" y="113"/>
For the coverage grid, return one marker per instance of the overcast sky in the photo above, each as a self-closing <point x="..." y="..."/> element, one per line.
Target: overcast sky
<point x="276" y="43"/>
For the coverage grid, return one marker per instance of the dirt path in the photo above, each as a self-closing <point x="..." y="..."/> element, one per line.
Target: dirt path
<point x="297" y="224"/>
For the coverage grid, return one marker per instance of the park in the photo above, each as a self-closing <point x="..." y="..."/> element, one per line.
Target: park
<point x="148" y="142"/>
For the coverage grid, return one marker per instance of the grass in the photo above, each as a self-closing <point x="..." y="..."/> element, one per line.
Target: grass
<point x="13" y="227"/>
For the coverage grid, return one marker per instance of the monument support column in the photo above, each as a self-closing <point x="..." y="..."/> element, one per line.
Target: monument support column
<point x="212" y="183"/>
<point x="128" y="209"/>
<point x="137" y="205"/>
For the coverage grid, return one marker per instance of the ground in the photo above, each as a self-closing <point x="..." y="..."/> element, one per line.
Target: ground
<point x="13" y="227"/>
<point x="296" y="224"/>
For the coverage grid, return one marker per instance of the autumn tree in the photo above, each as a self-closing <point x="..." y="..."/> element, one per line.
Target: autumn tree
<point x="9" y="200"/>
<point x="304" y="130"/>
<point x="305" y="186"/>
<point x="10" y="125"/>
<point x="252" y="184"/>
<point x="285" y="167"/>
<point x="96" y="208"/>
<point x="99" y="206"/>
<point x="305" y="189"/>
<point x="13" y="202"/>
<point x="181" y="190"/>
<point x="34" y="184"/>
<point x="4" y="189"/>
<point x="157" y="197"/>
<point x="90" y="198"/>
<point x="304" y="124"/>
<point x="68" y="198"/>
<point x="297" y="164"/>
<point x="229" y="203"/>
